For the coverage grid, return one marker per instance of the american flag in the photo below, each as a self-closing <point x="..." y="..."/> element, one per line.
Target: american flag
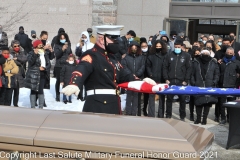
<point x="141" y="86"/>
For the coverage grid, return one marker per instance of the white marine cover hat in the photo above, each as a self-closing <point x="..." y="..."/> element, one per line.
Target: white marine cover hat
<point x="109" y="29"/>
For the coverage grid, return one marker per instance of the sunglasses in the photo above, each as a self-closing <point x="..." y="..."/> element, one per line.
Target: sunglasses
<point x="16" y="46"/>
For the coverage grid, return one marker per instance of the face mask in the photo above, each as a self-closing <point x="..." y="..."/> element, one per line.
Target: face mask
<point x="228" y="56"/>
<point x="197" y="56"/>
<point x="6" y="56"/>
<point x="204" y="42"/>
<point x="112" y="48"/>
<point x="177" y="50"/>
<point x="16" y="49"/>
<point x="130" y="39"/>
<point x="44" y="42"/>
<point x="200" y="39"/>
<point x="173" y="37"/>
<point x="62" y="40"/>
<point x="165" y="41"/>
<point x="158" y="50"/>
<point x="40" y="51"/>
<point x="205" y="57"/>
<point x="134" y="51"/>
<point x="209" y="48"/>
<point x="21" y="31"/>
<point x="90" y="34"/>
<point x="34" y="36"/>
<point x="149" y="43"/>
<point x="144" y="49"/>
<point x="219" y="43"/>
<point x="85" y="40"/>
<point x="194" y="47"/>
<point x="70" y="62"/>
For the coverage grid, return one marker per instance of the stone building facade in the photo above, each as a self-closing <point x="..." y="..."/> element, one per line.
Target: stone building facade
<point x="145" y="17"/>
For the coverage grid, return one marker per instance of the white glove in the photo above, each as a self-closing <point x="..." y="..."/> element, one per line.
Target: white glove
<point x="78" y="44"/>
<point x="71" y="89"/>
<point x="150" y="81"/>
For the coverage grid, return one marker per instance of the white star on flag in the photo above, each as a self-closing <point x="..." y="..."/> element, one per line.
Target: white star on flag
<point x="212" y="90"/>
<point x="170" y="89"/>
<point x="223" y="89"/>
<point x="202" y="88"/>
<point x="182" y="88"/>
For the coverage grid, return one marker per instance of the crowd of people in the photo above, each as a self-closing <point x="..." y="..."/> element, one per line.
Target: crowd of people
<point x="209" y="62"/>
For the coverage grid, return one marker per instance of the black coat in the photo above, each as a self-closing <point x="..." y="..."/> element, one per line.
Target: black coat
<point x="154" y="66"/>
<point x="2" y="60"/>
<point x="177" y="68"/>
<point x="66" y="73"/>
<point x="24" y="41"/>
<point x="228" y="74"/>
<point x="211" y="80"/>
<point x="134" y="64"/>
<point x="99" y="71"/>
<point x="33" y="73"/>
<point x="123" y="45"/>
<point x="61" y="56"/>
<point x="20" y="62"/>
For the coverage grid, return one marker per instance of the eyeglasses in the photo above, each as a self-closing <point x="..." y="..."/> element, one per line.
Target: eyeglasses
<point x="16" y="46"/>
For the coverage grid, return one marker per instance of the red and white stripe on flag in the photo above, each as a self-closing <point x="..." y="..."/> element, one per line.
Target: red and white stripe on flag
<point x="141" y="86"/>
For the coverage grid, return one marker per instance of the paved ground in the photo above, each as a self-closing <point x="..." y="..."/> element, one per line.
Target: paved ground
<point x="220" y="132"/>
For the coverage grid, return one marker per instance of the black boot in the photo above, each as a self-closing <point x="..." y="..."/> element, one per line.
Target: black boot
<point x="199" y="114"/>
<point x="65" y="101"/>
<point x="145" y="111"/>
<point x="205" y="114"/>
<point x="58" y="97"/>
<point x="44" y="104"/>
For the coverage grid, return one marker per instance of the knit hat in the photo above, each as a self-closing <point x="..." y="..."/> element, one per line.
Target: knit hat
<point x="173" y="33"/>
<point x="33" y="32"/>
<point x="36" y="43"/>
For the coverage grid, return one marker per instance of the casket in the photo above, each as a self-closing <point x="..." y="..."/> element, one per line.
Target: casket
<point x="46" y="134"/>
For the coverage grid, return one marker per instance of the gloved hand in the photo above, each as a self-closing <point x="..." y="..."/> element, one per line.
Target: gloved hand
<point x="150" y="81"/>
<point x="71" y="89"/>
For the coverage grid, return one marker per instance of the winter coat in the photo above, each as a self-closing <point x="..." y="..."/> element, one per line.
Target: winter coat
<point x="2" y="61"/>
<point x="123" y="45"/>
<point x="10" y="69"/>
<point x="66" y="73"/>
<point x="24" y="41"/>
<point x="86" y="45"/>
<point x="33" y="73"/>
<point x="177" y="68"/>
<point x="154" y="66"/>
<point x="134" y="64"/>
<point x="4" y="40"/>
<point x="54" y="40"/>
<point x="211" y="80"/>
<point x="21" y="61"/>
<point x="61" y="56"/>
<point x="228" y="74"/>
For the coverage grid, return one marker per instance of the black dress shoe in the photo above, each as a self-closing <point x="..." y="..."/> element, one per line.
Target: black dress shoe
<point x="168" y="117"/>
<point x="197" y="122"/>
<point x="44" y="104"/>
<point x="191" y="118"/>
<point x="223" y="122"/>
<point x="15" y="105"/>
<point x="216" y="119"/>
<point x="69" y="101"/>
<point x="65" y="101"/>
<point x="204" y="122"/>
<point x="58" y="98"/>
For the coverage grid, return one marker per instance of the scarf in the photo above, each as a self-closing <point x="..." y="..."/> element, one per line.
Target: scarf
<point x="228" y="60"/>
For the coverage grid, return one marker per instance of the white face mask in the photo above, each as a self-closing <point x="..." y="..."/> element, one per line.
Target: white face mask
<point x="85" y="40"/>
<point x="40" y="51"/>
<point x="70" y="62"/>
<point x="144" y="49"/>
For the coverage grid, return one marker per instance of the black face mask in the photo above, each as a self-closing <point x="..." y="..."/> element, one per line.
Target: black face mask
<point x="194" y="47"/>
<point x="21" y="31"/>
<point x="158" y="50"/>
<point x="196" y="56"/>
<point x="209" y="48"/>
<point x="34" y="36"/>
<point x="224" y="48"/>
<point x="112" y="48"/>
<point x="44" y="42"/>
<point x="228" y="56"/>
<point x="205" y="57"/>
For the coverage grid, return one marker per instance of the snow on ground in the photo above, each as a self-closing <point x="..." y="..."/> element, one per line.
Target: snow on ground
<point x="76" y="105"/>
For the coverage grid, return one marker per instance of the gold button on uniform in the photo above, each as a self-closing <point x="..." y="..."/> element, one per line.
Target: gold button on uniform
<point x="105" y="102"/>
<point x="115" y="81"/>
<point x="105" y="69"/>
<point x="75" y="78"/>
<point x="73" y="82"/>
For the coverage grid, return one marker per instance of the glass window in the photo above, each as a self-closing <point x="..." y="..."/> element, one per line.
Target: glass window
<point x="230" y="22"/>
<point x="178" y="25"/>
<point x="204" y="21"/>
<point x="217" y="21"/>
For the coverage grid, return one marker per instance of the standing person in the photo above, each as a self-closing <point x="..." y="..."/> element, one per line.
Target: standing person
<point x="66" y="74"/>
<point x="2" y="61"/>
<point x="37" y="77"/>
<point x="218" y="43"/>
<point x="145" y="53"/>
<point x="3" y="38"/>
<point x="234" y="44"/>
<point x="133" y="63"/>
<point x="211" y="47"/>
<point x="150" y="41"/>
<point x="229" y="69"/>
<point x="10" y="69"/>
<point x="23" y="39"/>
<point x="54" y="40"/>
<point x="92" y="39"/>
<point x="84" y="44"/>
<point x="125" y="41"/>
<point x="100" y="72"/>
<point x="205" y="73"/>
<point x="154" y="68"/>
<point x="62" y="50"/>
<point x="20" y="59"/>
<point x="177" y="71"/>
